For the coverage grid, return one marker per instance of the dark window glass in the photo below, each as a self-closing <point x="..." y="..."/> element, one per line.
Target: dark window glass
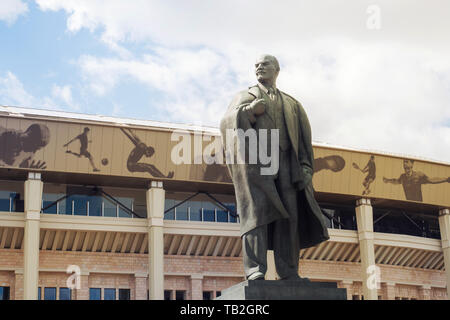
<point x="79" y="205"/>
<point x="18" y="205"/>
<point x="95" y="206"/>
<point x="232" y="206"/>
<point x="51" y="209"/>
<point x="124" y="294"/>
<point x="4" y="205"/>
<point x="128" y="202"/>
<point x="222" y="216"/>
<point x="109" y="294"/>
<point x="218" y="293"/>
<point x="207" y="295"/>
<point x="196" y="210"/>
<point x="169" y="203"/>
<point x="208" y="215"/>
<point x="49" y="293"/>
<point x="182" y="211"/>
<point x="180" y="295"/>
<point x="39" y="293"/>
<point x="4" y="293"/>
<point x="110" y="208"/>
<point x="6" y="201"/>
<point x="167" y="294"/>
<point x="65" y="294"/>
<point x="95" y="294"/>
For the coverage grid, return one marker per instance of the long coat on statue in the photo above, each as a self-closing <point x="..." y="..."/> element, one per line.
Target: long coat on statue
<point x="258" y="201"/>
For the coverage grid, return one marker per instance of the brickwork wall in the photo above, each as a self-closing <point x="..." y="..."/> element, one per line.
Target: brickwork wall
<point x="106" y="270"/>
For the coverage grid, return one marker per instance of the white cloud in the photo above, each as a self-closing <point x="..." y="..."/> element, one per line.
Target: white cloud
<point x="64" y="94"/>
<point x="10" y="10"/>
<point x="386" y="89"/>
<point x="13" y="93"/>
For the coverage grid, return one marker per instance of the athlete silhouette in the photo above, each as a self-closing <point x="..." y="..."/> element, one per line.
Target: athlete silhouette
<point x="83" y="147"/>
<point x="412" y="181"/>
<point x="138" y="152"/>
<point x="370" y="169"/>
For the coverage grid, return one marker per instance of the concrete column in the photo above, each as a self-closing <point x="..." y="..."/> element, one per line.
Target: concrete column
<point x="18" y="285"/>
<point x="444" y="226"/>
<point x="425" y="293"/>
<point x="196" y="287"/>
<point x="33" y="202"/>
<point x="364" y="218"/>
<point x="140" y="286"/>
<point x="83" y="292"/>
<point x="271" y="273"/>
<point x="155" y="214"/>
<point x="348" y="285"/>
<point x="389" y="290"/>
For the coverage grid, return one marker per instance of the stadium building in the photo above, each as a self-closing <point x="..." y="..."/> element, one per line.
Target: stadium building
<point x="95" y="207"/>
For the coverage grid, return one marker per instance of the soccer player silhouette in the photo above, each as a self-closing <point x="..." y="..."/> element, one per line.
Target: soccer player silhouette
<point x="83" y="147"/>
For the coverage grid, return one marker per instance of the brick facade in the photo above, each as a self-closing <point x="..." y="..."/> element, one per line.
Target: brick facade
<point x="194" y="275"/>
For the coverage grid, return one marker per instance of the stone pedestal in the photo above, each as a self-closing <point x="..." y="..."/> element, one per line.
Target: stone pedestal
<point x="284" y="290"/>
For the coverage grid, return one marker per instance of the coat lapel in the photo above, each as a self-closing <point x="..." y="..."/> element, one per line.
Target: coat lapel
<point x="256" y="91"/>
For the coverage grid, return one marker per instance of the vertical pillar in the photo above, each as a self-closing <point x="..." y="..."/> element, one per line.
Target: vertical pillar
<point x="140" y="286"/>
<point x="348" y="286"/>
<point x="18" y="285"/>
<point x="364" y="218"/>
<point x="155" y="214"/>
<point x="425" y="292"/>
<point x="197" y="287"/>
<point x="389" y="291"/>
<point x="33" y="202"/>
<point x="271" y="273"/>
<point x="444" y="226"/>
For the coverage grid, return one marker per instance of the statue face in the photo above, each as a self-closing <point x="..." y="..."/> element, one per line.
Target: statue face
<point x="265" y="69"/>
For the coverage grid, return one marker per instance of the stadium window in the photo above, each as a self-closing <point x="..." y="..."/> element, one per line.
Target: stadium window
<point x="218" y="293"/>
<point x="49" y="293"/>
<point x="124" y="294"/>
<point x="207" y="295"/>
<point x="180" y="295"/>
<point x="39" y="293"/>
<point x="65" y="294"/>
<point x="167" y="294"/>
<point x="109" y="294"/>
<point x="169" y="203"/>
<point x="4" y="293"/>
<point x="95" y="294"/>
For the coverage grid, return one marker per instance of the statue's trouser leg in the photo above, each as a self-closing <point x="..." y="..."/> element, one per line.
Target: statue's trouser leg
<point x="254" y="247"/>
<point x="284" y="232"/>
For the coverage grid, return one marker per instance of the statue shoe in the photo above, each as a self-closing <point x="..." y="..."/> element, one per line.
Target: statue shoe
<point x="256" y="276"/>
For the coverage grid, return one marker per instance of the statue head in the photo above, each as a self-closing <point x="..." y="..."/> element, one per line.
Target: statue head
<point x="267" y="69"/>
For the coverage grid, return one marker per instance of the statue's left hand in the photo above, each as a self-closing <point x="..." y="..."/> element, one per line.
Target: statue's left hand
<point x="307" y="177"/>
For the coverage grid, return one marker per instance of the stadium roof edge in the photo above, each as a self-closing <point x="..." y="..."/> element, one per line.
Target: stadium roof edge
<point x="58" y="114"/>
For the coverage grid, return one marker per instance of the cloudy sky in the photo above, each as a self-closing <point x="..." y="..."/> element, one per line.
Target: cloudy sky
<point x="370" y="74"/>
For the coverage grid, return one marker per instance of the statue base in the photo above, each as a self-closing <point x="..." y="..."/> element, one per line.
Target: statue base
<point x="283" y="290"/>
